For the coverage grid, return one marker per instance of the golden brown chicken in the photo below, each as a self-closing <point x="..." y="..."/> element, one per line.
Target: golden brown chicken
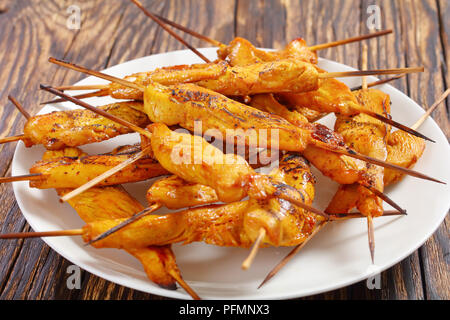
<point x="286" y="75"/>
<point x="281" y="75"/>
<point x="73" y="128"/>
<point x="332" y="96"/>
<point x="166" y="76"/>
<point x="70" y="172"/>
<point x="368" y="136"/>
<point x="234" y="224"/>
<point x="403" y="150"/>
<point x="241" y="52"/>
<point x="338" y="167"/>
<point x="187" y="104"/>
<point x="107" y="203"/>
<point x="176" y="193"/>
<point x="195" y="160"/>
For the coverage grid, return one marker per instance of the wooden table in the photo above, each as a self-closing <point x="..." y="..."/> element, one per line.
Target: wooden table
<point x="116" y="31"/>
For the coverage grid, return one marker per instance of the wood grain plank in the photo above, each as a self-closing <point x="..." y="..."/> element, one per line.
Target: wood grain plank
<point x="423" y="46"/>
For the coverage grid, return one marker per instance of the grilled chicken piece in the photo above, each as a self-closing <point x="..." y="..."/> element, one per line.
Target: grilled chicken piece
<point x="287" y="75"/>
<point x="73" y="128"/>
<point x="332" y="96"/>
<point x="241" y="52"/>
<point x="403" y="150"/>
<point x="176" y="193"/>
<point x="70" y="172"/>
<point x="167" y="76"/>
<point x="97" y="204"/>
<point x="368" y="136"/>
<point x="220" y="116"/>
<point x="106" y="203"/>
<point x="340" y="168"/>
<point x="236" y="224"/>
<point x="195" y="160"/>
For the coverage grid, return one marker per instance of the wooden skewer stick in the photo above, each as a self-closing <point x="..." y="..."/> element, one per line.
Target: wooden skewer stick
<point x="19" y="107"/>
<point x="342" y="74"/>
<point x="143" y="213"/>
<point x="26" y="177"/>
<point x="370" y="231"/>
<point x="188" y="31"/>
<point x="302" y="205"/>
<point x="95" y="73"/>
<point x="173" y="34"/>
<point x="371" y="237"/>
<point x="86" y="87"/>
<point x="383" y="196"/>
<point x="291" y="254"/>
<point x="364" y="65"/>
<point x="184" y="285"/>
<point x="394" y="123"/>
<point x="104" y="92"/>
<point x="381" y="163"/>
<point x="12" y="138"/>
<point x="325" y="75"/>
<point x="248" y="262"/>
<point x="106" y="174"/>
<point x="59" y="233"/>
<point x="350" y="40"/>
<point x="379" y="82"/>
<point x="99" y="93"/>
<point x="431" y="109"/>
<point x="96" y="110"/>
<point x="354" y="215"/>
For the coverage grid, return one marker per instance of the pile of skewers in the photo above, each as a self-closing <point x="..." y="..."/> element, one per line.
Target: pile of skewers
<point x="221" y="198"/>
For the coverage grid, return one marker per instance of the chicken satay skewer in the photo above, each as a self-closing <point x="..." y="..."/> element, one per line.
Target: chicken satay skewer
<point x="317" y="47"/>
<point x="362" y="110"/>
<point x="283" y="195"/>
<point x="22" y="137"/>
<point x="145" y="134"/>
<point x="19" y="107"/>
<point x="286" y="259"/>
<point x="318" y="143"/>
<point x="379" y="82"/>
<point x="80" y="232"/>
<point x="375" y="161"/>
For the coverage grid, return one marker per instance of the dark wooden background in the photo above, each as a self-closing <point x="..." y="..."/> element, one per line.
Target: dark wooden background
<point x="115" y="31"/>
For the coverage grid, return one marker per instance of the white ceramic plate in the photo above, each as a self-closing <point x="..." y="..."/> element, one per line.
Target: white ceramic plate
<point x="338" y="256"/>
